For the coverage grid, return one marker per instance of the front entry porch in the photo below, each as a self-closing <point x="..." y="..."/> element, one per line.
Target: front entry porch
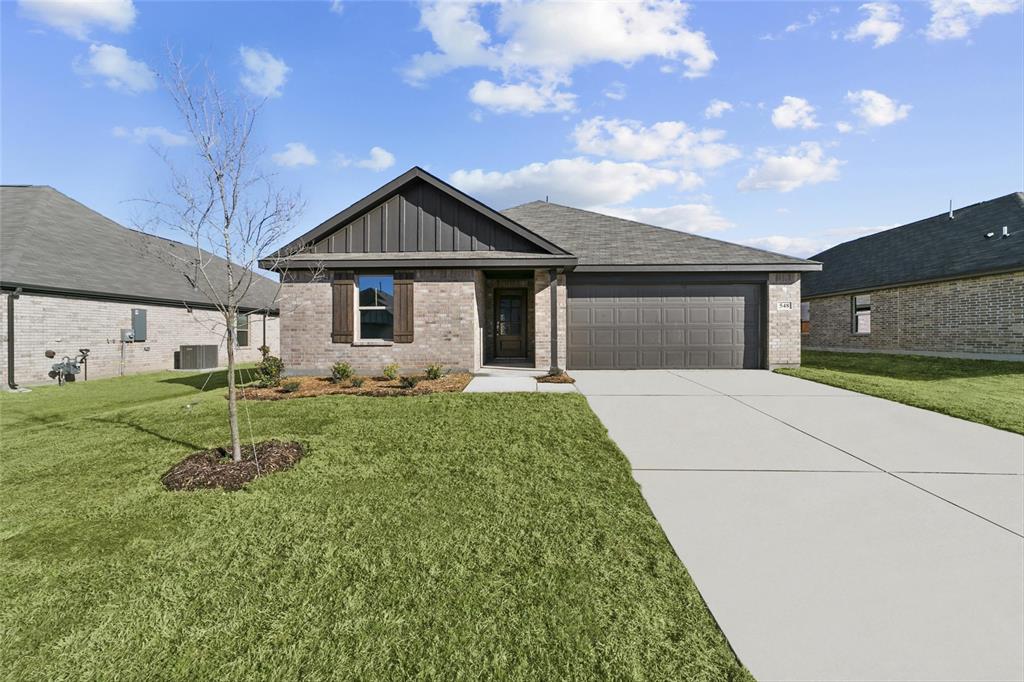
<point x="515" y="315"/>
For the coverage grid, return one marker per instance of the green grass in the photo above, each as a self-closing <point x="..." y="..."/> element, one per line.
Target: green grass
<point x="465" y="536"/>
<point x="985" y="391"/>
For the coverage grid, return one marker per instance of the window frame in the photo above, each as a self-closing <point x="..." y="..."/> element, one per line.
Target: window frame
<point x="805" y="318"/>
<point x="239" y="327"/>
<point x="357" y="322"/>
<point x="858" y="311"/>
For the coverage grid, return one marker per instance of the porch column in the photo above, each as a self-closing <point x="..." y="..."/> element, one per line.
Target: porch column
<point x="553" y="275"/>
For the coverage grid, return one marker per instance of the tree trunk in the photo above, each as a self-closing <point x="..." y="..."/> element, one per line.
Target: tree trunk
<point x="236" y="441"/>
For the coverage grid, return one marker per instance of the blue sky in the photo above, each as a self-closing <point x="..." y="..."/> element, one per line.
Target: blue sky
<point x="833" y="119"/>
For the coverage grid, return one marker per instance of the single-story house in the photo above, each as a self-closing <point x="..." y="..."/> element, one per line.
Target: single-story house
<point x="419" y="272"/>
<point x="71" y="278"/>
<point x="949" y="285"/>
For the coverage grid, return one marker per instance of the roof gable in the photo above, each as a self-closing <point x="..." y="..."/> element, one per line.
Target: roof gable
<point x="930" y="249"/>
<point x="605" y="242"/>
<point x="418" y="212"/>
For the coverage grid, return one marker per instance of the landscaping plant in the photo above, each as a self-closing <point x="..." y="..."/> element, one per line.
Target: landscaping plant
<point x="291" y="386"/>
<point x="341" y="371"/>
<point x="435" y="371"/>
<point x="268" y="370"/>
<point x="410" y="382"/>
<point x="391" y="371"/>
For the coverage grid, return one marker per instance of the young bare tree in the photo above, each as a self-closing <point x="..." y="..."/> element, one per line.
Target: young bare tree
<point x="223" y="207"/>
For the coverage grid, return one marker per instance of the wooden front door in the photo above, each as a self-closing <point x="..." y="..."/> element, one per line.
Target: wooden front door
<point x="509" y="323"/>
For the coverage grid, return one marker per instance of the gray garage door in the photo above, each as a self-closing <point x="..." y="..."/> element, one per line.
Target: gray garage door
<point x="649" y="326"/>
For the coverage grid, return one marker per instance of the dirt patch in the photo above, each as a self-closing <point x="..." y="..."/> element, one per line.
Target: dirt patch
<point x="562" y="378"/>
<point x="215" y="468"/>
<point x="371" y="386"/>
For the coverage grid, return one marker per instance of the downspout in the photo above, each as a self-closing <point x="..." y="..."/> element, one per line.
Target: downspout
<point x="553" y="274"/>
<point x="11" y="297"/>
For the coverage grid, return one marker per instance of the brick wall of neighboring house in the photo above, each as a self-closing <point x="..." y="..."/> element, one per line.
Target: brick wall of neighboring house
<point x="784" y="320"/>
<point x="978" y="315"/>
<point x="446" y="327"/>
<point x="542" y="321"/>
<point x="66" y="324"/>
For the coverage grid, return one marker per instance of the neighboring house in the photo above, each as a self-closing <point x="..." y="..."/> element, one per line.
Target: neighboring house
<point x="419" y="272"/>
<point x="952" y="284"/>
<point x="71" y="278"/>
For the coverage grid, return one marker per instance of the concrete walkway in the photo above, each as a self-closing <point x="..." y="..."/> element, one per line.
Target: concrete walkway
<point x="834" y="536"/>
<point x="513" y="380"/>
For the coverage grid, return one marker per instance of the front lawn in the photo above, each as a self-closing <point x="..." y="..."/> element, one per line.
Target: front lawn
<point x="468" y="536"/>
<point x="984" y="391"/>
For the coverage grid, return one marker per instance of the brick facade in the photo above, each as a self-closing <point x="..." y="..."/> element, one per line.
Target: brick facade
<point x="783" y="321"/>
<point x="66" y="324"/>
<point x="542" y="303"/>
<point x="978" y="315"/>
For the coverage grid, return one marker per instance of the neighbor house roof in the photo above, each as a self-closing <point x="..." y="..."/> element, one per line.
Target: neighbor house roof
<point x="932" y="249"/>
<point x="606" y="243"/>
<point x="52" y="243"/>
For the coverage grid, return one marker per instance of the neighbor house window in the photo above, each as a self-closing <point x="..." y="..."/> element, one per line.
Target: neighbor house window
<point x="805" y="318"/>
<point x="862" y="314"/>
<point x="242" y="330"/>
<point x="377" y="307"/>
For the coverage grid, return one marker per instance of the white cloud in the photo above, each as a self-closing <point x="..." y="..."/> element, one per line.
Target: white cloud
<point x="716" y="108"/>
<point x="804" y="246"/>
<point x="672" y="141"/>
<point x="264" y="74"/>
<point x="844" y="127"/>
<point x="119" y="71"/>
<point x="616" y="91"/>
<point x="876" y="109"/>
<point x="295" y="154"/>
<point x="77" y="17"/>
<point x="953" y="19"/>
<point x="142" y="134"/>
<point x="812" y="18"/>
<point x="694" y="218"/>
<point x="521" y="98"/>
<point x="576" y="182"/>
<point x="337" y="6"/>
<point x="794" y="112"/>
<point x="378" y="160"/>
<point x="883" y="23"/>
<point x="804" y="164"/>
<point x="535" y="45"/>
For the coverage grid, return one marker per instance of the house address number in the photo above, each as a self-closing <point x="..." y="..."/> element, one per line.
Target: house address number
<point x="784" y="305"/>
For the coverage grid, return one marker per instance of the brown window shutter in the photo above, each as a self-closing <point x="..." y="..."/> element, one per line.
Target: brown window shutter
<point x="341" y="308"/>
<point x="403" y="307"/>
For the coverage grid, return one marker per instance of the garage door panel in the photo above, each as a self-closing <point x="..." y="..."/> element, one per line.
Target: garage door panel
<point x="626" y="326"/>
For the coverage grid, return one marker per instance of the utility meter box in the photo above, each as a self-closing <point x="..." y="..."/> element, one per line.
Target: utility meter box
<point x="138" y="324"/>
<point x="127" y="336"/>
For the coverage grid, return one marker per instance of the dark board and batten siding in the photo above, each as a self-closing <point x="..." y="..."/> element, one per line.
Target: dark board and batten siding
<point x="421" y="218"/>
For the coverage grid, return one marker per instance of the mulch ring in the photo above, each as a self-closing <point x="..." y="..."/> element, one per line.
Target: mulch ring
<point x="562" y="378"/>
<point x="372" y="386"/>
<point x="215" y="468"/>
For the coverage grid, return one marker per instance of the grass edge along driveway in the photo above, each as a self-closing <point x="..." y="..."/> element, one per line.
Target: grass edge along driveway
<point x="475" y="536"/>
<point x="988" y="392"/>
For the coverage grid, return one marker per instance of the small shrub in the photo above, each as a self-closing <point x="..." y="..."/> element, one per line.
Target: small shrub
<point x="556" y="372"/>
<point x="410" y="382"/>
<point x="340" y="371"/>
<point x="357" y="381"/>
<point x="268" y="370"/>
<point x="391" y="371"/>
<point x="435" y="371"/>
<point x="291" y="386"/>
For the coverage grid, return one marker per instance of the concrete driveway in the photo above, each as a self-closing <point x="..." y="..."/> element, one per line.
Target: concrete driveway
<point x="834" y="536"/>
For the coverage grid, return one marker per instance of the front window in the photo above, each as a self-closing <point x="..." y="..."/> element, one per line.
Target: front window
<point x="862" y="314"/>
<point x="805" y="318"/>
<point x="242" y="330"/>
<point x="377" y="307"/>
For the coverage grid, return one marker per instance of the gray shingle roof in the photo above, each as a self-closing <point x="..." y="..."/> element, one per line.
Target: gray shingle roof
<point x="50" y="242"/>
<point x="929" y="249"/>
<point x="602" y="240"/>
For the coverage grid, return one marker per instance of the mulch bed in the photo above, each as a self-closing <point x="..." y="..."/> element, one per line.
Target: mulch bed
<point x="372" y="386"/>
<point x="562" y="378"/>
<point x="215" y="468"/>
